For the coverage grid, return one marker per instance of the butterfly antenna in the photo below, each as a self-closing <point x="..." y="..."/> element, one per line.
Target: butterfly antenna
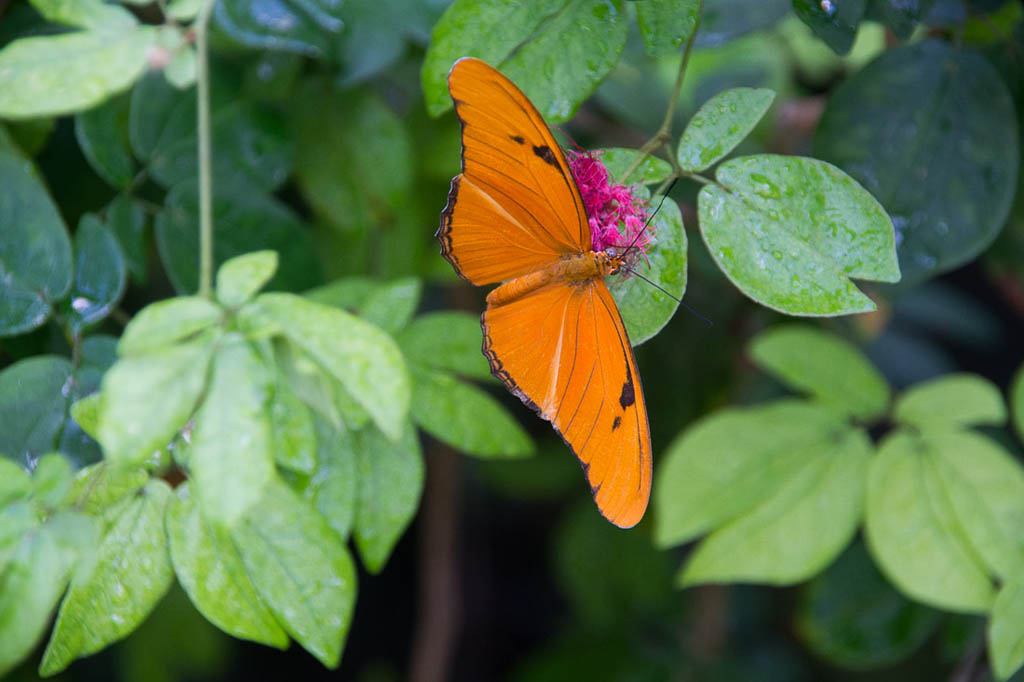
<point x="639" y="234"/>
<point x="662" y="290"/>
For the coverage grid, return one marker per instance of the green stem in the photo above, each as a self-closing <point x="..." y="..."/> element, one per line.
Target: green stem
<point x="205" y="174"/>
<point x="664" y="134"/>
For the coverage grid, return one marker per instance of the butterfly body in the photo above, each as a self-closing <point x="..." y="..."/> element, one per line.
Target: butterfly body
<point x="552" y="332"/>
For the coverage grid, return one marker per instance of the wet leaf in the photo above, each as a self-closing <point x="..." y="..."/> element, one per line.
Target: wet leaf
<point x="720" y="124"/>
<point x="102" y="133"/>
<point x="240" y="278"/>
<point x="666" y="25"/>
<point x="308" y="27"/>
<point x="100" y="274"/>
<point x="167" y="322"/>
<point x="951" y="400"/>
<point x="835" y="23"/>
<point x="33" y="405"/>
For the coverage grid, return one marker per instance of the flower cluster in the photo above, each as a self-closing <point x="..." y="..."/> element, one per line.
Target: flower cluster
<point x="615" y="214"/>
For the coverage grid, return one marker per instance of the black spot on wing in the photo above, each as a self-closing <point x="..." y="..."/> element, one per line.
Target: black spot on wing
<point x="628" y="396"/>
<point x="517" y="139"/>
<point x="617" y="423"/>
<point x="546" y="155"/>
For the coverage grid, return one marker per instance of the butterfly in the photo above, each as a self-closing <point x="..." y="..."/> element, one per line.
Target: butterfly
<point x="552" y="332"/>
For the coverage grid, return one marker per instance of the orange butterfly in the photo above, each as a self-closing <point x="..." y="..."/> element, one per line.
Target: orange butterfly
<point x="552" y="332"/>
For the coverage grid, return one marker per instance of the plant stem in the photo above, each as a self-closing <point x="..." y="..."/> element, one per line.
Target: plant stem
<point x="205" y="174"/>
<point x="664" y="134"/>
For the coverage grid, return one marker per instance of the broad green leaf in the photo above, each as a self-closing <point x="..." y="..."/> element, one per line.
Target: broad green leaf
<point x="333" y="487"/>
<point x="465" y="417"/>
<point x="210" y="569"/>
<point x="390" y="485"/>
<point x="241" y="277"/>
<point x="1006" y="630"/>
<point x="851" y="617"/>
<point x="826" y="366"/>
<point x="360" y="356"/>
<point x="30" y="586"/>
<point x="99" y="486"/>
<point x="35" y="252"/>
<point x="93" y="14"/>
<point x="306" y="378"/>
<point x="33" y="405"/>
<point x="899" y="15"/>
<point x="244" y="221"/>
<point x="158" y="116"/>
<point x="232" y="460"/>
<point x="349" y="293"/>
<point x="16" y="520"/>
<point x="946" y="170"/>
<point x="165" y="323"/>
<point x="305" y="27"/>
<point x="15" y="483"/>
<point x="68" y="72"/>
<point x="720" y="124"/>
<point x="666" y="25"/>
<point x="100" y="274"/>
<point x="391" y="306"/>
<point x="951" y="400"/>
<point x="547" y="48"/>
<point x="791" y="232"/>
<point x="127" y="220"/>
<point x="449" y="340"/>
<point x="645" y="309"/>
<point x="799" y="529"/>
<point x="130" y="572"/>
<point x="301" y="570"/>
<point x="913" y="533"/>
<point x="102" y="134"/>
<point x="1017" y="402"/>
<point x="294" y="436"/>
<point x="835" y="22"/>
<point x="51" y="480"/>
<point x="618" y="160"/>
<point x="148" y="398"/>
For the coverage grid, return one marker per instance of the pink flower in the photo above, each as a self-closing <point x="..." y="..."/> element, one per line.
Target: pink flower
<point x="615" y="214"/>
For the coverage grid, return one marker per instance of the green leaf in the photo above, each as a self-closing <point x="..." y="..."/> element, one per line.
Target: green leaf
<point x="390" y="485"/>
<point x="547" y="48"/>
<point x="465" y="417"/>
<point x="35" y="253"/>
<point x="374" y="36"/>
<point x="301" y="570"/>
<point x="790" y="232"/>
<point x="148" y="398"/>
<point x="720" y="124"/>
<point x="1017" y="402"/>
<point x="130" y="572"/>
<point x="666" y="25"/>
<point x="724" y="20"/>
<point x="308" y="28"/>
<point x="100" y="274"/>
<point x="306" y="378"/>
<point x="33" y="405"/>
<point x="913" y="533"/>
<point x="244" y="221"/>
<point x="30" y="586"/>
<point x="799" y="529"/>
<point x="645" y="309"/>
<point x="51" y="480"/>
<point x="231" y="459"/>
<point x="449" y="340"/>
<point x="1006" y="630"/>
<point x="728" y="463"/>
<point x="210" y="569"/>
<point x="15" y="483"/>
<point x="826" y="366"/>
<point x="391" y="306"/>
<point x="899" y="15"/>
<point x="618" y="160"/>
<point x="947" y="170"/>
<point x="332" y="488"/>
<point x="951" y="400"/>
<point x="94" y="14"/>
<point x="61" y="74"/>
<point x="158" y="116"/>
<point x="127" y="220"/>
<point x="241" y="277"/>
<point x="86" y="413"/>
<point x="16" y="520"/>
<point x="101" y="485"/>
<point x="835" y="23"/>
<point x="166" y="323"/>
<point x="295" y="440"/>
<point x="181" y="70"/>
<point x="359" y="355"/>
<point x="851" y="617"/>
<point x="102" y="134"/>
<point x="183" y="10"/>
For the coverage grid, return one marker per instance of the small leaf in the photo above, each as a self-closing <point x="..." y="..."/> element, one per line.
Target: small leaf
<point x="127" y="220"/>
<point x="129" y="574"/>
<point x="302" y="27"/>
<point x="15" y="483"/>
<point x="52" y="480"/>
<point x="148" y="398"/>
<point x="332" y="488"/>
<point x="33" y="405"/>
<point x="100" y="274"/>
<point x="168" y="322"/>
<point x="1006" y="630"/>
<point x="359" y="355"/>
<point x="799" y="529"/>
<point x="666" y="25"/>
<point x="391" y="306"/>
<point x="68" y="72"/>
<point x="181" y="70"/>
<point x="231" y="461"/>
<point x="86" y="413"/>
<point x="94" y="14"/>
<point x="899" y="15"/>
<point x="618" y="160"/>
<point x="183" y="10"/>
<point x="241" y="277"/>
<point x="390" y="485"/>
<point x="825" y="366"/>
<point x="35" y="253"/>
<point x="449" y="340"/>
<point x="723" y="20"/>
<point x="102" y="134"/>
<point x="16" y="520"/>
<point x="791" y="232"/>
<point x="300" y="569"/>
<point x="210" y="569"/>
<point x="951" y="400"/>
<point x="913" y="534"/>
<point x="835" y="23"/>
<point x="465" y="417"/>
<point x="99" y="486"/>
<point x="720" y="124"/>
<point x="295" y="440"/>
